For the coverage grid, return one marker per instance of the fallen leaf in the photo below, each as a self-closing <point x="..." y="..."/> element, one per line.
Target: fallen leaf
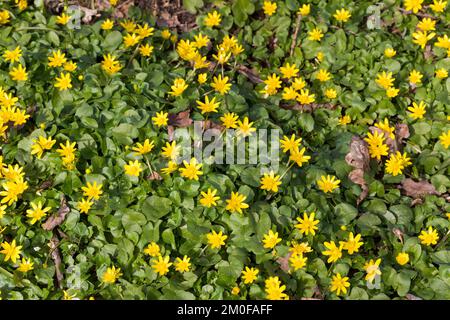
<point x="181" y="119"/>
<point x="401" y="132"/>
<point x="55" y="220"/>
<point x="358" y="157"/>
<point x="56" y="257"/>
<point x="409" y="296"/>
<point x="398" y="233"/>
<point x="284" y="262"/>
<point x="308" y="107"/>
<point x="418" y="189"/>
<point x="154" y="176"/>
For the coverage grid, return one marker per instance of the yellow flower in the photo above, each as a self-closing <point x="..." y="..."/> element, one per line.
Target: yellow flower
<point x="328" y="183"/>
<point x="111" y="275"/>
<point x="445" y="139"/>
<point x="68" y="296"/>
<point x="113" y="2"/>
<point x="11" y="251"/>
<point x="129" y="26"/>
<point x="19" y="73"/>
<point x="64" y="81"/>
<point x="394" y="166"/>
<point x="42" y="144"/>
<point x="297" y="261"/>
<point x="426" y="24"/>
<point x="402" y="258"/>
<point x="220" y="84"/>
<point x="304" y="10"/>
<point x="384" y="125"/>
<point x="161" y="119"/>
<point x="305" y="98"/>
<point x="298" y="156"/>
<point x="171" y="150"/>
<point x="182" y="265"/>
<point x="212" y="19"/>
<point x="57" y="59"/>
<point x="289" y="71"/>
<point x="245" y="128"/>
<point x="84" y="205"/>
<point x="372" y="268"/>
<point x="92" y="191"/>
<point x="352" y="244"/>
<point x="269" y="7"/>
<point x="229" y="120"/>
<point x="145" y="148"/>
<point x="63" y="19"/>
<point x="146" y="50"/>
<point x="222" y="56"/>
<point x="300" y="248"/>
<point x="216" y="240"/>
<point x="191" y="169"/>
<point x="389" y="52"/>
<point x="323" y="75"/>
<point x="320" y="56"/>
<point x="12" y="190"/>
<point x="290" y="144"/>
<point x="107" y="24"/>
<point x="429" y="237"/>
<point x="131" y="40"/>
<point x="413" y="5"/>
<point x="274" y="289"/>
<point x="385" y="80"/>
<point x="37" y="212"/>
<point x="289" y="93"/>
<point x="165" y="34"/>
<point x="392" y="92"/>
<point x="377" y="148"/>
<point x="315" y="34"/>
<point x="249" y="275"/>
<point x="25" y="266"/>
<point x="441" y="73"/>
<point x="331" y="93"/>
<point x="13" y="55"/>
<point x="342" y="15"/>
<point x="209" y="198"/>
<point x="339" y="284"/>
<point x="110" y="64"/>
<point x="273" y="83"/>
<point x="152" y="249"/>
<point x="200" y="41"/>
<point x="178" y="87"/>
<point x="236" y="202"/>
<point x="161" y="266"/>
<point x="421" y="38"/>
<point x="4" y="17"/>
<point x="2" y="211"/>
<point x="70" y="66"/>
<point x="208" y="105"/>
<point x="438" y="6"/>
<point x="307" y="225"/>
<point x="270" y="182"/>
<point x="334" y="252"/>
<point x="415" y="77"/>
<point x="344" y="120"/>
<point x="133" y="168"/>
<point x="298" y="84"/>
<point x="417" y="110"/>
<point x="144" y="31"/>
<point x="235" y="291"/>
<point x="271" y="239"/>
<point x="202" y="77"/>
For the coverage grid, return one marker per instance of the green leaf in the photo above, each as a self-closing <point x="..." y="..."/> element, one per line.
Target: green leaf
<point x="112" y="41"/>
<point x="345" y="213"/>
<point x="155" y="207"/>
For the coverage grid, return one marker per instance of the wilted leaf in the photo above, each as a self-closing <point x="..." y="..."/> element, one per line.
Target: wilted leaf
<point x="418" y="189"/>
<point x="55" y="220"/>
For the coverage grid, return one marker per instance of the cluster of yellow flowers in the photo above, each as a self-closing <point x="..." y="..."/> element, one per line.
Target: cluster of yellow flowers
<point x="10" y="114"/>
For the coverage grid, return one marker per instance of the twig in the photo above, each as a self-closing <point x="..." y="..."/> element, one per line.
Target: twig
<point x="297" y="28"/>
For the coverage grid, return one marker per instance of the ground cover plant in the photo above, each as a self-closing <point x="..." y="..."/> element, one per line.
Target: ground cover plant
<point x="96" y="204"/>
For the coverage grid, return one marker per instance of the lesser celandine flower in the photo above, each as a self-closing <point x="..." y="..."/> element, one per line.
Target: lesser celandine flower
<point x="212" y="19"/>
<point x="63" y="19"/>
<point x="274" y="289"/>
<point x="373" y="269"/>
<point x="25" y="265"/>
<point x="342" y="15"/>
<point x="229" y="120"/>
<point x="315" y="34"/>
<point x="191" y="169"/>
<point x="328" y="183"/>
<point x="441" y="73"/>
<point x="413" y="5"/>
<point x="438" y="6"/>
<point x="402" y="258"/>
<point x="389" y="52"/>
<point x="37" y="212"/>
<point x="107" y="24"/>
<point x="64" y="81"/>
<point x="171" y="150"/>
<point x="429" y="237"/>
<point x="444" y="138"/>
<point x="133" y="168"/>
<point x="307" y="225"/>
<point x="334" y="252"/>
<point x="344" y="120"/>
<point x="304" y="10"/>
<point x="290" y="144"/>
<point x="208" y="105"/>
<point x="244" y="127"/>
<point x="289" y="71"/>
<point x="161" y="119"/>
<point x="422" y="37"/>
<point x="249" y="275"/>
<point x="236" y="202"/>
<point x="271" y="239"/>
<point x="161" y="265"/>
<point x="417" y="110"/>
<point x="19" y="73"/>
<point x="269" y="7"/>
<point x="11" y="251"/>
<point x="57" y="59"/>
<point x="270" y="182"/>
<point x="13" y="55"/>
<point x="84" y="205"/>
<point x="111" y="275"/>
<point x="297" y="261"/>
<point x="182" y="265"/>
<point x="152" y="249"/>
<point x="92" y="191"/>
<point x="339" y="284"/>
<point x="216" y="240"/>
<point x="209" y="198"/>
<point x="385" y="80"/>
<point x="220" y="84"/>
<point x="415" y="77"/>
<point x="178" y="87"/>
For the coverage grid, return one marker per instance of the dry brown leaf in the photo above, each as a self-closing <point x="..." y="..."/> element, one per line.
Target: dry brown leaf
<point x="418" y="189"/>
<point x="358" y="157"/>
<point x="308" y="107"/>
<point x="181" y="119"/>
<point x="55" y="220"/>
<point x="249" y="73"/>
<point x="398" y="233"/>
<point x="154" y="176"/>
<point x="284" y="262"/>
<point x="409" y="296"/>
<point x="401" y="132"/>
<point x="56" y="257"/>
